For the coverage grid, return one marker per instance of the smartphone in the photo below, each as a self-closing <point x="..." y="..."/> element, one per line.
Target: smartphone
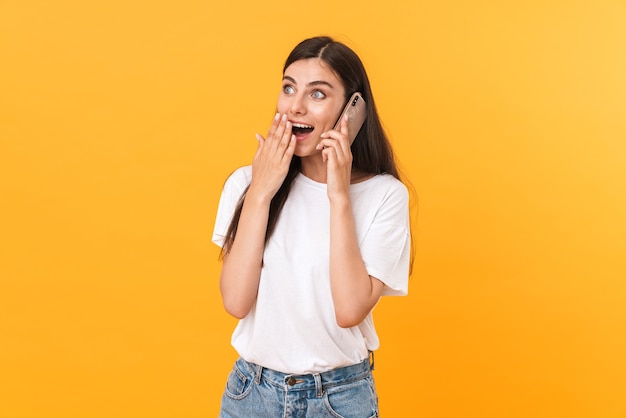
<point x="356" y="111"/>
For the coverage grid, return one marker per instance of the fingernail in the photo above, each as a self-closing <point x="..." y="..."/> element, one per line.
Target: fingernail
<point x="288" y="125"/>
<point x="259" y="137"/>
<point x="277" y="116"/>
<point x="293" y="138"/>
<point x="284" y="118"/>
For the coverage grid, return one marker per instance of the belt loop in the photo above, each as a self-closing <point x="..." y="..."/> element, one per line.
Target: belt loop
<point x="319" y="390"/>
<point x="258" y="371"/>
<point x="371" y="360"/>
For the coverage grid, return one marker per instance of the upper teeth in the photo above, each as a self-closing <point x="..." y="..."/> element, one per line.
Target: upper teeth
<point x="301" y="125"/>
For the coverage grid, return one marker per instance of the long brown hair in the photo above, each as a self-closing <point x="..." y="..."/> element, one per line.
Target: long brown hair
<point x="371" y="150"/>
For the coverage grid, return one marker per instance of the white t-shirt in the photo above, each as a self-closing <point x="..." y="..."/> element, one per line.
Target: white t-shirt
<point x="292" y="328"/>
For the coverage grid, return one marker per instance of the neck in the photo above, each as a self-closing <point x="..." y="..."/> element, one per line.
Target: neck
<point x="314" y="168"/>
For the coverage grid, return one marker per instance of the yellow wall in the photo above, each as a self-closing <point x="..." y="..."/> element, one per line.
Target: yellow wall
<point x="120" y="120"/>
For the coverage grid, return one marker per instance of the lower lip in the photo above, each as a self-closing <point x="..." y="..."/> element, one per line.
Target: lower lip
<point x="302" y="137"/>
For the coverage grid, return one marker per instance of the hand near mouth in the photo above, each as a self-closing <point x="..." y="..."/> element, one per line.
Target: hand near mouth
<point x="273" y="156"/>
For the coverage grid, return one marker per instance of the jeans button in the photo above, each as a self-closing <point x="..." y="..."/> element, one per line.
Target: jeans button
<point x="291" y="381"/>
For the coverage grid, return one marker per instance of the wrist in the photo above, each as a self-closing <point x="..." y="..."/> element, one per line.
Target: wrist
<point x="257" y="197"/>
<point x="340" y="202"/>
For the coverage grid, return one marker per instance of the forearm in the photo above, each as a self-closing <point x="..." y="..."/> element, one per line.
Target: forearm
<point x="241" y="269"/>
<point x="354" y="292"/>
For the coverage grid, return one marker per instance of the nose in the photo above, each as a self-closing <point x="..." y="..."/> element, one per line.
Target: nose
<point x="297" y="106"/>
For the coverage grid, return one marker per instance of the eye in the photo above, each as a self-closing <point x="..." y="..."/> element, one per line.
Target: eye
<point x="318" y="94"/>
<point x="288" y="89"/>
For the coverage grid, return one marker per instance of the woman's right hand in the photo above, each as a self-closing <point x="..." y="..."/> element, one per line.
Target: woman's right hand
<point x="273" y="156"/>
<point x="241" y="269"/>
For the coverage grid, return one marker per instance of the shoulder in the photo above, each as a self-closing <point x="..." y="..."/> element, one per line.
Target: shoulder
<point x="241" y="174"/>
<point x="390" y="186"/>
<point x="382" y="198"/>
<point x="240" y="178"/>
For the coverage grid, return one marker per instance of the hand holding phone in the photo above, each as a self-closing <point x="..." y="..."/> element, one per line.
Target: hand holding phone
<point x="357" y="112"/>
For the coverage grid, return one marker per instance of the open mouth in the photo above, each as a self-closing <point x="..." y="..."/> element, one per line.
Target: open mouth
<point x="301" y="129"/>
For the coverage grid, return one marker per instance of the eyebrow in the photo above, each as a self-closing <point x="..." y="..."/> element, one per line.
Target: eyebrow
<point x="312" y="83"/>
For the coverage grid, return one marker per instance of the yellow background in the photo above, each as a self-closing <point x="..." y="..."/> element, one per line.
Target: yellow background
<point x="120" y="120"/>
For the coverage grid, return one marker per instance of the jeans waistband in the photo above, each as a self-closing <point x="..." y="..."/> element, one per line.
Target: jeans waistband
<point x="317" y="381"/>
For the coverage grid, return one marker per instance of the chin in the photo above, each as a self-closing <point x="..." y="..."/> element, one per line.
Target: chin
<point x="306" y="152"/>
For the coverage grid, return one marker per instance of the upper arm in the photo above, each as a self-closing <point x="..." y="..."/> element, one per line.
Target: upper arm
<point x="386" y="243"/>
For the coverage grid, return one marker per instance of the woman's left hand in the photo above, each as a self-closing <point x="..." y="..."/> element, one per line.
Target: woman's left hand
<point x="337" y="155"/>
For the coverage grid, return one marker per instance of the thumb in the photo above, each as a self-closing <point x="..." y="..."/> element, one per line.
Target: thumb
<point x="261" y="141"/>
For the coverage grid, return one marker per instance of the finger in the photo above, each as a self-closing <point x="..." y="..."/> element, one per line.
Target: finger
<point x="291" y="148"/>
<point x="273" y="126"/>
<point x="329" y="149"/>
<point x="333" y="139"/>
<point x="325" y="155"/>
<point x="285" y="140"/>
<point x="331" y="156"/>
<point x="279" y="132"/>
<point x="335" y="150"/>
<point x="325" y="143"/>
<point x="343" y="126"/>
<point x="342" y="138"/>
<point x="344" y="141"/>
<point x="336" y="134"/>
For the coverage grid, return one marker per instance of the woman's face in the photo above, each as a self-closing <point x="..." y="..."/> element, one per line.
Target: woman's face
<point x="312" y="97"/>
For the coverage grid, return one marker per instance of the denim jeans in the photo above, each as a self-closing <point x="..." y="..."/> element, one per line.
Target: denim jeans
<point x="256" y="392"/>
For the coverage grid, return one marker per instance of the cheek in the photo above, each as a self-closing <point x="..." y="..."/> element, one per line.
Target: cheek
<point x="329" y="116"/>
<point x="281" y="105"/>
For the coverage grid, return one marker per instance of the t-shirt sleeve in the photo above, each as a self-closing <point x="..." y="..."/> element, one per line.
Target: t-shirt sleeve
<point x="231" y="193"/>
<point x="386" y="248"/>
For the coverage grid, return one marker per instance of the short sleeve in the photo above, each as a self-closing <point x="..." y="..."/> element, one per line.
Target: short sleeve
<point x="231" y="193"/>
<point x="386" y="248"/>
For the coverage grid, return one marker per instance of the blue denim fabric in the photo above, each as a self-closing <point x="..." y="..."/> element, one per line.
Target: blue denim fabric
<point x="255" y="392"/>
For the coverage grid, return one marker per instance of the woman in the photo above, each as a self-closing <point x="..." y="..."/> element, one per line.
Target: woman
<point x="313" y="233"/>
